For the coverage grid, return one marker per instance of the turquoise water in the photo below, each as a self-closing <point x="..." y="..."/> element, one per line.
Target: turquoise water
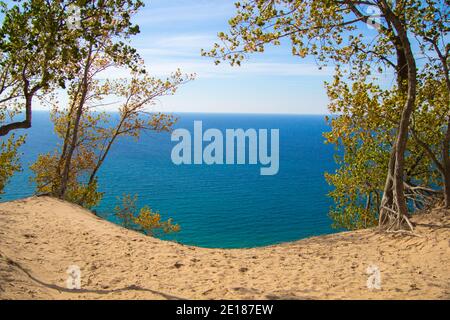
<point x="227" y="206"/>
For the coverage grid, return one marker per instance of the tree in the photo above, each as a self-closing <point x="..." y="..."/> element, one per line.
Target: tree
<point x="145" y="220"/>
<point x="88" y="135"/>
<point x="40" y="48"/>
<point x="36" y="46"/>
<point x="101" y="23"/>
<point x="364" y="133"/>
<point x="329" y="30"/>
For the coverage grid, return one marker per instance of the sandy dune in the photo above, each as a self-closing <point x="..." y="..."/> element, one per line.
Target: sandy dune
<point x="41" y="237"/>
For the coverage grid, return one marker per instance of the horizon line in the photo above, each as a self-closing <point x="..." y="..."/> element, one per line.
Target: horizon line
<point x="221" y="113"/>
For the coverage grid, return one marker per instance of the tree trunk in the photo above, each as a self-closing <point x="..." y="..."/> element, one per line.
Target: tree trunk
<point x="387" y="200"/>
<point x="74" y="135"/>
<point x="400" y="212"/>
<point x="98" y="165"/>
<point x="104" y="154"/>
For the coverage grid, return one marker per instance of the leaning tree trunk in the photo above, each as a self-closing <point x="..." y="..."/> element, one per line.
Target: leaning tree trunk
<point x="402" y="138"/>
<point x="387" y="200"/>
<point x="394" y="215"/>
<point x="74" y="134"/>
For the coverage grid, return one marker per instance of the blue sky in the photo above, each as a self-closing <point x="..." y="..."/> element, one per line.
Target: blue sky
<point x="173" y="32"/>
<point x="172" y="35"/>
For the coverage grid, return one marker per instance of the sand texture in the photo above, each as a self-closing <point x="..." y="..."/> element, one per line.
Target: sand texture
<point x="41" y="237"/>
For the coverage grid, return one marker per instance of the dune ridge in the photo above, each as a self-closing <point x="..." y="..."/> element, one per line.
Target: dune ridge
<point x="40" y="237"/>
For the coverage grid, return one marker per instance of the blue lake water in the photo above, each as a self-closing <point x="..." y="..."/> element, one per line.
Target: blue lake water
<point x="227" y="206"/>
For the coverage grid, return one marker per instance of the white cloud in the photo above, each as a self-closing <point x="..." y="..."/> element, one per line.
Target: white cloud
<point x="162" y="12"/>
<point x="183" y="45"/>
<point x="205" y="68"/>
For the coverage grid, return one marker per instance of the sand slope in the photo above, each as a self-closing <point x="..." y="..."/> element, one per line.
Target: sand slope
<point x="41" y="237"/>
